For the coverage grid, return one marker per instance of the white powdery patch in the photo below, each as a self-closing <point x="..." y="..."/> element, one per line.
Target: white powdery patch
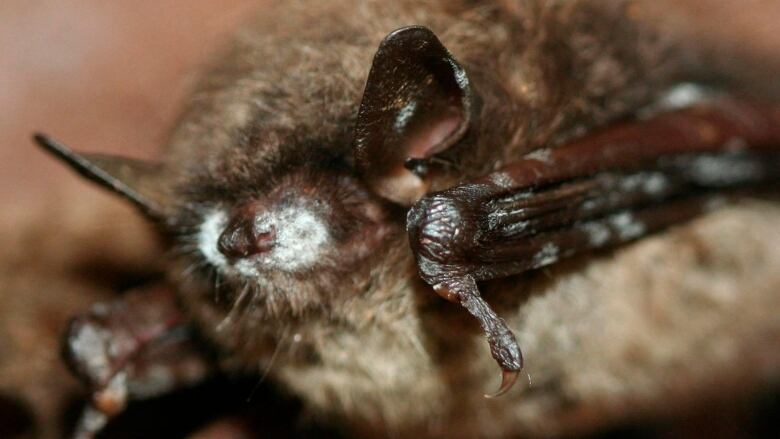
<point x="684" y="95"/>
<point x="655" y="184"/>
<point x="213" y="224"/>
<point x="723" y="170"/>
<point x="404" y="116"/>
<point x="598" y="233"/>
<point x="116" y="389"/>
<point x="651" y="183"/>
<point x="460" y="75"/>
<point x="517" y="196"/>
<point x="301" y="238"/>
<point x="89" y="345"/>
<point x="680" y="96"/>
<point x="546" y="256"/>
<point x="156" y="380"/>
<point x="91" y="421"/>
<point x="502" y="180"/>
<point x="518" y="227"/>
<point x="543" y="155"/>
<point x="591" y="205"/>
<point x="626" y="226"/>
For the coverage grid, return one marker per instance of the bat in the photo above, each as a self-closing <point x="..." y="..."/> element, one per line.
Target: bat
<point x="321" y="169"/>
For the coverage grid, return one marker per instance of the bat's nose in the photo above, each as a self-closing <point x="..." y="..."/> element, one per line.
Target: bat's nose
<point x="242" y="239"/>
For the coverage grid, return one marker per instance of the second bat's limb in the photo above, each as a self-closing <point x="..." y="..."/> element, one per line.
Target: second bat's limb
<point x="135" y="347"/>
<point x="614" y="186"/>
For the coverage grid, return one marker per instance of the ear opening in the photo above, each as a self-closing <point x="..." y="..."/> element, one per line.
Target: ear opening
<point x="135" y="180"/>
<point x="417" y="103"/>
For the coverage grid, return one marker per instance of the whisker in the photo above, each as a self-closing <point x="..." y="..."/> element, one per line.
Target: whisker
<point x="193" y="267"/>
<point x="282" y="339"/>
<point x="234" y="309"/>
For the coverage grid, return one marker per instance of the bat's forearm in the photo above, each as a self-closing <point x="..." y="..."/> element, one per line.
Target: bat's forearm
<point x="614" y="186"/>
<point x="589" y="188"/>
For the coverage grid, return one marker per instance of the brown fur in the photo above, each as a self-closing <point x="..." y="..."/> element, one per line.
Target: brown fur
<point x="363" y="339"/>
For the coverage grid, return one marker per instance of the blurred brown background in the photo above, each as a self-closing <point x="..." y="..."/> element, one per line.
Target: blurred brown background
<point x="99" y="75"/>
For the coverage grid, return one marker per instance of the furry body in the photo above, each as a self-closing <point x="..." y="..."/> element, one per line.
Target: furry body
<point x="357" y="334"/>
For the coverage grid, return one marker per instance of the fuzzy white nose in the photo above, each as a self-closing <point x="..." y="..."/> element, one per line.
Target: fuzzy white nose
<point x="290" y="239"/>
<point x="301" y="237"/>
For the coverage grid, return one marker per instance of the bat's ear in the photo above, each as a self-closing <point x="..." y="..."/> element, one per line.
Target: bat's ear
<point x="417" y="102"/>
<point x="135" y="180"/>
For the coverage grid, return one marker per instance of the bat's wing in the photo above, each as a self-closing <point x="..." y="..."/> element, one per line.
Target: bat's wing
<point x="133" y="348"/>
<point x="610" y="187"/>
<point x="135" y="180"/>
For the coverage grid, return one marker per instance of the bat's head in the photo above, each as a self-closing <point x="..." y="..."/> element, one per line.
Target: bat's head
<point x="289" y="213"/>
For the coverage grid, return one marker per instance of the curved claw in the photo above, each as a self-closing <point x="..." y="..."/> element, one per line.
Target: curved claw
<point x="508" y="378"/>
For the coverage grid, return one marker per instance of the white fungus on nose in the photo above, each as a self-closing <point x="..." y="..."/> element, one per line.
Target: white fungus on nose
<point x="211" y="228"/>
<point x="301" y="237"/>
